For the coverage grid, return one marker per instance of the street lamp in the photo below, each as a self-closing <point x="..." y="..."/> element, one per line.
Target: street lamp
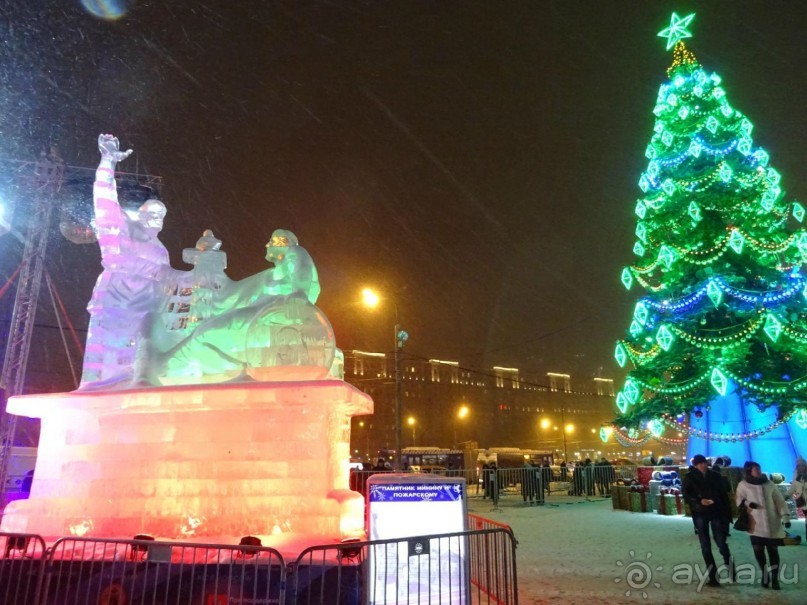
<point x="462" y="413"/>
<point x="567" y="428"/>
<point x="545" y="423"/>
<point x="372" y="299"/>
<point x="411" y="422"/>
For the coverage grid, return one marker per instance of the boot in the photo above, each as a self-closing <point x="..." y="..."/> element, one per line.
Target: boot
<point x="732" y="571"/>
<point x="775" y="578"/>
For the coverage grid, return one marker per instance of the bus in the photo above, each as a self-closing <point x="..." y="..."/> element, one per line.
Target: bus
<point x="513" y="457"/>
<point x="431" y="459"/>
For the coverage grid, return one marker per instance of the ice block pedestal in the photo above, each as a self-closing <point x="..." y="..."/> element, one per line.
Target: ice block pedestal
<point x="206" y="461"/>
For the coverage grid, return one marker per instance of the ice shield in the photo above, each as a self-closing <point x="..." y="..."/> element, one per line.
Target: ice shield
<point x="418" y="567"/>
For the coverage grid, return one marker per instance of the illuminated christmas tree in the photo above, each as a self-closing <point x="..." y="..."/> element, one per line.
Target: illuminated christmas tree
<point x="718" y="339"/>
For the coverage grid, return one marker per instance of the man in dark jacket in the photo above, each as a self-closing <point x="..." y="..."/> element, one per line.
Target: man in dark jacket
<point x="707" y="495"/>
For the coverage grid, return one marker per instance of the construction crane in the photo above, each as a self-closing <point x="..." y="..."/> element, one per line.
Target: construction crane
<point x="42" y="185"/>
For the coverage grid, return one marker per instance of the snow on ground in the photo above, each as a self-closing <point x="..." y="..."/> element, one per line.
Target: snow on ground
<point x="572" y="551"/>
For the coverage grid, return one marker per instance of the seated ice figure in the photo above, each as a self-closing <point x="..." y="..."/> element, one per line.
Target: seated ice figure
<point x="227" y="329"/>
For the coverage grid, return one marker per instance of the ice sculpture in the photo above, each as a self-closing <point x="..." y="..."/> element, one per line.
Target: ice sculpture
<point x="152" y="324"/>
<point x="208" y="408"/>
<point x="135" y="265"/>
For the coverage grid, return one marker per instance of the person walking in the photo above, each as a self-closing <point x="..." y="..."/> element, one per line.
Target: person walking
<point x="798" y="488"/>
<point x="705" y="492"/>
<point x="529" y="483"/>
<point x="546" y="477"/>
<point x="767" y="508"/>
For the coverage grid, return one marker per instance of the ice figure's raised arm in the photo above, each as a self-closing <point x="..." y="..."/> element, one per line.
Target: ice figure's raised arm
<point x="109" y="218"/>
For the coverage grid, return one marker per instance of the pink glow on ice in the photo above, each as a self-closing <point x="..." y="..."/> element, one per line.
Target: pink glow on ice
<point x="213" y="462"/>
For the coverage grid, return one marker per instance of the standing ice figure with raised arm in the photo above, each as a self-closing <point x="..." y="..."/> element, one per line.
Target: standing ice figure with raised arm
<point x="135" y="269"/>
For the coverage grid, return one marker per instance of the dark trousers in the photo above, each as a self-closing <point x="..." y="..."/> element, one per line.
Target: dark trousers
<point x="720" y="530"/>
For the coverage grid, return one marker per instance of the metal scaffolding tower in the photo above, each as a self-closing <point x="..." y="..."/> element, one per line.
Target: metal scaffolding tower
<point x="41" y="184"/>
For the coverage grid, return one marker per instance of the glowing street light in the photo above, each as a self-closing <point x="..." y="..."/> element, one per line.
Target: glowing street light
<point x="411" y="422"/>
<point x="462" y="413"/>
<point x="372" y="299"/>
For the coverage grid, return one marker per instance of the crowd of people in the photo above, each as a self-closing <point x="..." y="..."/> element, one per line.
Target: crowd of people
<point x="708" y="493"/>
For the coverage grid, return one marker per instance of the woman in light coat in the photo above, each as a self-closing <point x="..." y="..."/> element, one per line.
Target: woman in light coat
<point x="767" y="510"/>
<point x="798" y="487"/>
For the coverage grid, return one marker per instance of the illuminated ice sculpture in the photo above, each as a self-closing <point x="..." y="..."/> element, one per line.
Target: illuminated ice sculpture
<point x="208" y="407"/>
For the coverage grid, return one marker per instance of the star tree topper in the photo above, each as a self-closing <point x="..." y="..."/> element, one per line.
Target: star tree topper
<point x="677" y="30"/>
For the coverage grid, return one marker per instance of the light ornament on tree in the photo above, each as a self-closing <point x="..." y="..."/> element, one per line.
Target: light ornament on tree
<point x="664" y="338"/>
<point x="622" y="402"/>
<point x="761" y="156"/>
<point x="667" y="138"/>
<point x="768" y="199"/>
<point x="744" y="146"/>
<point x="677" y="30"/>
<point x="695" y="212"/>
<point x="725" y="173"/>
<point x="736" y="241"/>
<point x="695" y="149"/>
<point x="631" y="391"/>
<point x="635" y="328"/>
<point x="773" y="327"/>
<point x="801" y="243"/>
<point x="640" y="313"/>
<point x="638" y="249"/>
<point x="641" y="232"/>
<point x="627" y="278"/>
<point x="715" y="293"/>
<point x="798" y="212"/>
<point x="641" y="209"/>
<point x="620" y="354"/>
<point x="668" y="186"/>
<point x="719" y="381"/>
<point x="726" y="110"/>
<point x="712" y="124"/>
<point x="683" y="112"/>
<point x="605" y="433"/>
<point x="746" y="127"/>
<point x="655" y="427"/>
<point x="666" y="256"/>
<point x="801" y="418"/>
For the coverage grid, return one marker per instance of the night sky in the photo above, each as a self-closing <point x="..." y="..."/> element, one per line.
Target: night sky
<point x="477" y="161"/>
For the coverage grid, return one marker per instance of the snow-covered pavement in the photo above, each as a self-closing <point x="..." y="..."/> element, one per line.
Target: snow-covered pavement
<point x="573" y="551"/>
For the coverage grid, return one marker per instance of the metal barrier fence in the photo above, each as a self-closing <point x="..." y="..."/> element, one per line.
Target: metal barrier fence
<point x="22" y="568"/>
<point x="531" y="484"/>
<point x="145" y="572"/>
<point x="477" y="566"/>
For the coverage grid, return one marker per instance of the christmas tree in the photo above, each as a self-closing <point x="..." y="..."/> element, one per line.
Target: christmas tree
<point x="718" y="339"/>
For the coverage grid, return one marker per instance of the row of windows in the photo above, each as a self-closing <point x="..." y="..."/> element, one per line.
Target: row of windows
<point x="504" y="377"/>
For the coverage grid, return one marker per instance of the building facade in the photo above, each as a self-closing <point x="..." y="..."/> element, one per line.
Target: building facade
<point x="444" y="404"/>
